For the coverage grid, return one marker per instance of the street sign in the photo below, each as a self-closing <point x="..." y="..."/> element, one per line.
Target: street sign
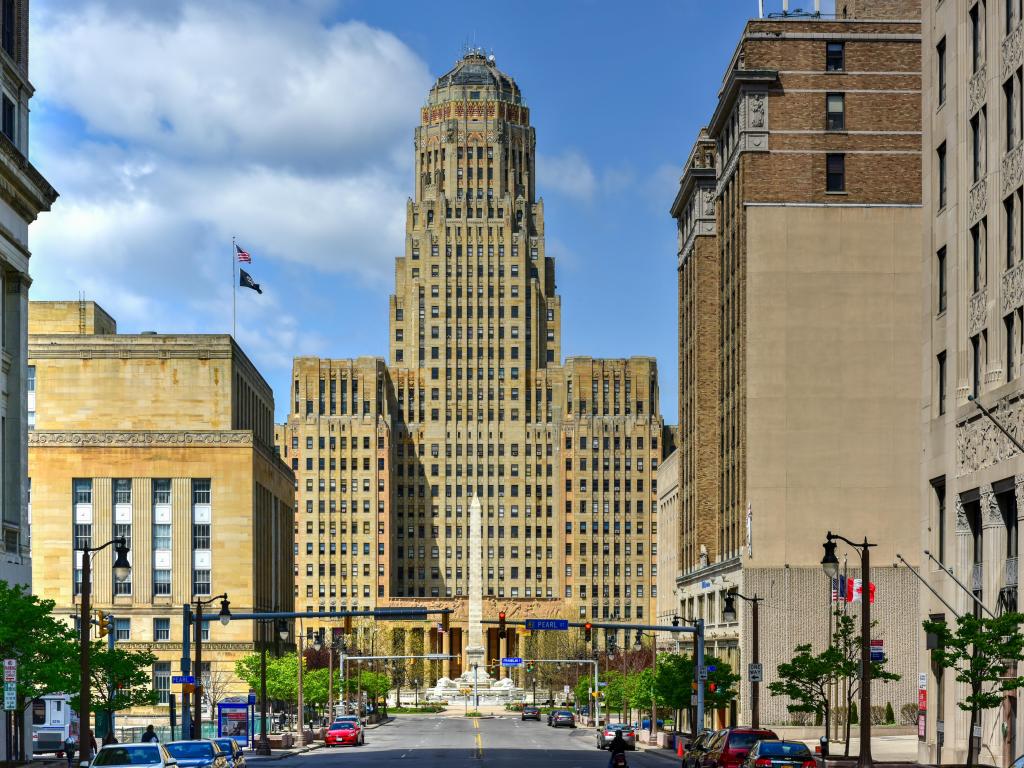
<point x="252" y="699"/>
<point x="703" y="672"/>
<point x="10" y="670"/>
<point x="537" y="624"/>
<point x="755" y="672"/>
<point x="10" y="695"/>
<point x="693" y="700"/>
<point x="511" y="661"/>
<point x="182" y="679"/>
<point x="601" y="684"/>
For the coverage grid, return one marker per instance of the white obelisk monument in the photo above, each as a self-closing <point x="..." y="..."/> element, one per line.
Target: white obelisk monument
<point x="475" y="650"/>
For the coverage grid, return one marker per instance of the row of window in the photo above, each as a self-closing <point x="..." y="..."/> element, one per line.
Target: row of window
<point x="82" y="491"/>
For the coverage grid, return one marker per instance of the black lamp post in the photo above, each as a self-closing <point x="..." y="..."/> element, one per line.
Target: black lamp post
<point x="831" y="565"/>
<point x="263" y="747"/>
<point x="729" y="614"/>
<point x="224" y="616"/>
<point x="122" y="569"/>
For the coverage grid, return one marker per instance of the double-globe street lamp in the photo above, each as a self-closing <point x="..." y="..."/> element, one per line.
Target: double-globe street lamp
<point x="729" y="614"/>
<point x="831" y="565"/>
<point x="225" y="618"/>
<point x="122" y="570"/>
<point x="263" y="747"/>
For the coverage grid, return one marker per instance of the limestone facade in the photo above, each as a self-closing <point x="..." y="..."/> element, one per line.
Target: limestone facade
<point x="475" y="399"/>
<point x="165" y="440"/>
<point x="798" y="215"/>
<point x="972" y="302"/>
<point x="669" y="530"/>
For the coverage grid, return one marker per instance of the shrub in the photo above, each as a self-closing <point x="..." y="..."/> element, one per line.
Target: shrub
<point x="877" y="714"/>
<point x="801" y="718"/>
<point x="854" y="716"/>
<point x="819" y="718"/>
<point x="474" y="714"/>
<point x="890" y="716"/>
<point x="839" y="716"/>
<point x="908" y="714"/>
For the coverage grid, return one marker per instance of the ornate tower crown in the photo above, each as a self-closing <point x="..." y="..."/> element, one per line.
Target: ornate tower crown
<point x="475" y="76"/>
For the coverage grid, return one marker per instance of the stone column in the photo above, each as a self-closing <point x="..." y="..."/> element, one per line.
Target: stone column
<point x="446" y="649"/>
<point x="475" y="650"/>
<point x="502" y="653"/>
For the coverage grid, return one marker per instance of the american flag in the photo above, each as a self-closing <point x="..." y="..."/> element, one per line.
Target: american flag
<point x="243" y="255"/>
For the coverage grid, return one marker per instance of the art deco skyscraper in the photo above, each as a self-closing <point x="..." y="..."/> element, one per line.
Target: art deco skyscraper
<point x="475" y="400"/>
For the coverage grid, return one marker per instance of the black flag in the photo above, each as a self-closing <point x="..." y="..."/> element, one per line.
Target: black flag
<point x="245" y="281"/>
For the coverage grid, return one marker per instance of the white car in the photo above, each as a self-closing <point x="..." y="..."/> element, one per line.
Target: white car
<point x="152" y="755"/>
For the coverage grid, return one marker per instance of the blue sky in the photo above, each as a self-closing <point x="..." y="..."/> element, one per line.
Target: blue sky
<point x="170" y="125"/>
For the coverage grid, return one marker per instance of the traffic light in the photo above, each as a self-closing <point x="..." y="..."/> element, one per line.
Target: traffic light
<point x="501" y="623"/>
<point x="712" y="687"/>
<point x="102" y="624"/>
<point x="588" y="629"/>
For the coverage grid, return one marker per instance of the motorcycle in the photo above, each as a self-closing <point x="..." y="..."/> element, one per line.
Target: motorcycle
<point x="618" y="760"/>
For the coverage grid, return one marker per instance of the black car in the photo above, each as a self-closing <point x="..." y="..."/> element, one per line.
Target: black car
<point x="200" y="753"/>
<point x="562" y="717"/>
<point x="233" y="752"/>
<point x="769" y="753"/>
<point x="694" y="750"/>
<point x="531" y="713"/>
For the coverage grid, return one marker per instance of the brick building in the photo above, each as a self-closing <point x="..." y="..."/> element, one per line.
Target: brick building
<point x="476" y="400"/>
<point x="799" y="228"/>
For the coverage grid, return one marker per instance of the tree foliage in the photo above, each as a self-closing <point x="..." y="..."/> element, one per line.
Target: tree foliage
<point x="980" y="651"/>
<point x="120" y="678"/>
<point x="806" y="680"/>
<point x="45" y="647"/>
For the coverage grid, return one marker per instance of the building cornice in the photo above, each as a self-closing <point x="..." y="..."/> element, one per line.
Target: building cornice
<point x="42" y="438"/>
<point x="731" y="89"/>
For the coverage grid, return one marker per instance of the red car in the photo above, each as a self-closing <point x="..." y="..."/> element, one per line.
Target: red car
<point x="345" y="732"/>
<point x="729" y="748"/>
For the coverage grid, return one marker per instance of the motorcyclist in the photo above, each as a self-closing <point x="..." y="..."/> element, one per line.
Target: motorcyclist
<point x="617" y="747"/>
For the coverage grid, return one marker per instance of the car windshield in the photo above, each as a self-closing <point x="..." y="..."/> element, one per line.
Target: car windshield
<point x="745" y="740"/>
<point x="190" y="749"/>
<point x="127" y="756"/>
<point x="227" y="745"/>
<point x="344" y="725"/>
<point x="783" y="749"/>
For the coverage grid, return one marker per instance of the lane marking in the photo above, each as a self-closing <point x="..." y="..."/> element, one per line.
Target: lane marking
<point x="479" y="747"/>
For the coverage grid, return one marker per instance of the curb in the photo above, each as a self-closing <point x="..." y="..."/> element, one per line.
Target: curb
<point x="668" y="754"/>
<point x="289" y="753"/>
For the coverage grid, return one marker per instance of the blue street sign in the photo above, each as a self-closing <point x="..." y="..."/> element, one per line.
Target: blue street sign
<point x="533" y="625"/>
<point x="711" y="667"/>
<point x="511" y="661"/>
<point x="877" y="654"/>
<point x="182" y="679"/>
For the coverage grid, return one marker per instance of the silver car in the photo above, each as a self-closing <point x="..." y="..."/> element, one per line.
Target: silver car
<point x="606" y="734"/>
<point x="151" y="754"/>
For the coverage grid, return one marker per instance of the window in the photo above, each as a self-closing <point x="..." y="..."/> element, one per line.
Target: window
<point x="835" y="111"/>
<point x="1012" y="13"/>
<point x="123" y="531"/>
<point x="940" y="155"/>
<point x="939" y="486"/>
<point x="8" y="121"/>
<point x="162" y="536"/>
<point x="82" y="491"/>
<point x="1011" y="118"/>
<point x="122" y="629"/>
<point x="977" y="39"/>
<point x="940" y="58"/>
<point x="161" y="491"/>
<point x="162" y="681"/>
<point x="977" y="146"/>
<point x="83" y="535"/>
<point x="1010" y="346"/>
<point x="122" y="491"/>
<point x="200" y="536"/>
<point x="201" y="582"/>
<point x="835" y="178"/>
<point x="162" y="581"/>
<point x="161" y="629"/>
<point x="940" y="365"/>
<point x="940" y="281"/>
<point x="201" y="491"/>
<point x="975" y="364"/>
<point x="1010" y="230"/>
<point x="30" y="382"/>
<point x="834" y="57"/>
<point x="8" y="30"/>
<point x="977" y="245"/>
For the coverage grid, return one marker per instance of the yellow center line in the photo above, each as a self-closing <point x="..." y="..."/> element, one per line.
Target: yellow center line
<point x="479" y="746"/>
<point x="476" y="723"/>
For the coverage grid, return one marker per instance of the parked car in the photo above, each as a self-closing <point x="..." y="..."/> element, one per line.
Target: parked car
<point x="151" y="754"/>
<point x="606" y="734"/>
<point x="351" y="718"/>
<point x="562" y="717"/>
<point x="694" y="750"/>
<point x="344" y="732"/>
<point x="199" y="753"/>
<point x="730" y="747"/>
<point x="531" y="713"/>
<point x="234" y="753"/>
<point x="779" y="754"/>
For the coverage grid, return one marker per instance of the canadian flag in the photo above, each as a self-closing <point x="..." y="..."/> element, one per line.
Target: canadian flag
<point x="855" y="591"/>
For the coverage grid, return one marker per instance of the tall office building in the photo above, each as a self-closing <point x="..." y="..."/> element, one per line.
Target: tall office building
<point x="799" y="240"/>
<point x="165" y="440"/>
<point x="972" y="482"/>
<point x="475" y="400"/>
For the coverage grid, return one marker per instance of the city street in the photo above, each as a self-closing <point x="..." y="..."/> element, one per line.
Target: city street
<point x="455" y="741"/>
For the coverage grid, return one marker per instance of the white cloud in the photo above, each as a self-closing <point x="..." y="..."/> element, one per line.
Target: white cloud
<point x="569" y="173"/>
<point x="168" y="127"/>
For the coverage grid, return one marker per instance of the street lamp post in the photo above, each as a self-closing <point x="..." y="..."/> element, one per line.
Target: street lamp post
<point x="638" y="646"/>
<point x="224" y="616"/>
<point x="122" y="570"/>
<point x="729" y="614"/>
<point x="831" y="565"/>
<point x="263" y="747"/>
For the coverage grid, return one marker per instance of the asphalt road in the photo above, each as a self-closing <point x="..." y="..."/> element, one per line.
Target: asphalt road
<point x="454" y="742"/>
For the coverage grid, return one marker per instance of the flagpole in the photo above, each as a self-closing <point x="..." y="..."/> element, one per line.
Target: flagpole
<point x="234" y="290"/>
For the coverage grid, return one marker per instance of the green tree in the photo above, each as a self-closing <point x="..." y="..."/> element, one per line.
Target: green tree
<point x="806" y="679"/>
<point x="980" y="650"/>
<point x="282" y="675"/>
<point x="890" y="716"/>
<point x="120" y="679"/>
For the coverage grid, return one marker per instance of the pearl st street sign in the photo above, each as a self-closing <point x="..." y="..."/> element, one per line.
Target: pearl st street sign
<point x="535" y="625"/>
